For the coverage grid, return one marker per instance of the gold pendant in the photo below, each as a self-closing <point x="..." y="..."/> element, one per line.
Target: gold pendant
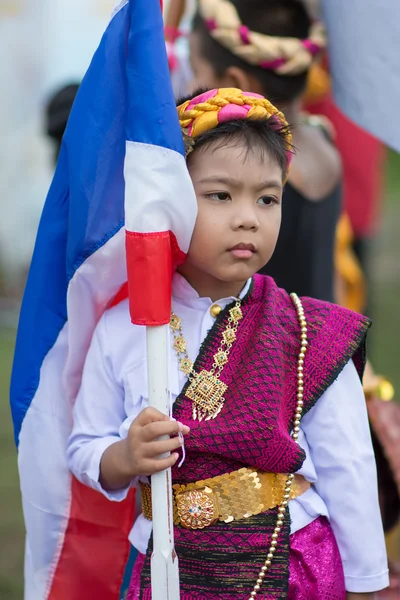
<point x="180" y="344"/>
<point x="207" y="394"/>
<point x="186" y="365"/>
<point x="197" y="509"/>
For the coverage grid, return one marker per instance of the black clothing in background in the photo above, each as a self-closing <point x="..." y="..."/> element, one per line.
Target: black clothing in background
<point x="303" y="261"/>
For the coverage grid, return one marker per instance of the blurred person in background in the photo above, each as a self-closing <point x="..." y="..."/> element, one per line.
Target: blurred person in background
<point x="228" y="42"/>
<point x="363" y="158"/>
<point x="383" y="412"/>
<point x="362" y="168"/>
<point x="221" y="55"/>
<point x="57" y="113"/>
<point x="178" y="15"/>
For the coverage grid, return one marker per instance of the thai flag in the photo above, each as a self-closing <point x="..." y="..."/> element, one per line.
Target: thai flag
<point x="121" y="208"/>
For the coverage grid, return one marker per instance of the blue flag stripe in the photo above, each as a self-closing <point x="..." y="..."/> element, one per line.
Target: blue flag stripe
<point x="126" y="94"/>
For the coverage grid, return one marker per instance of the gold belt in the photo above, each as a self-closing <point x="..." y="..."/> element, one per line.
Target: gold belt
<point x="227" y="498"/>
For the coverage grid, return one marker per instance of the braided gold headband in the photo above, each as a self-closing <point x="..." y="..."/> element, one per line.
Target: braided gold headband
<point x="208" y="110"/>
<point x="284" y="56"/>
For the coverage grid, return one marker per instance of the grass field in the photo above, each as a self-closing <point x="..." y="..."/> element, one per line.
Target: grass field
<point x="11" y="524"/>
<point x="384" y="351"/>
<point x="384" y="347"/>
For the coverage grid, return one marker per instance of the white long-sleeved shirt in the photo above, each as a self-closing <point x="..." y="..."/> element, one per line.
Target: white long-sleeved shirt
<point x="334" y="434"/>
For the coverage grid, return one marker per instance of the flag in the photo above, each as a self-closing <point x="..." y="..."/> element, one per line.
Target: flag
<point x="121" y="208"/>
<point x="364" y="47"/>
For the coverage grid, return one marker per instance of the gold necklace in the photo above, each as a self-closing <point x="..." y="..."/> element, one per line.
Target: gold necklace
<point x="206" y="390"/>
<point x="295" y="435"/>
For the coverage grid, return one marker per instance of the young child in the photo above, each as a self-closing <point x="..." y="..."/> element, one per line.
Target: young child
<point x="277" y="496"/>
<point x="265" y="45"/>
<point x="268" y="46"/>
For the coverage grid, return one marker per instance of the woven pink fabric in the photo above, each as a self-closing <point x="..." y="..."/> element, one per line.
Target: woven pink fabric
<point x="312" y="47"/>
<point x="202" y="98"/>
<point x="244" y="33"/>
<point x="272" y="65"/>
<point x="233" y="111"/>
<point x="134" y="588"/>
<point x="316" y="571"/>
<point x="253" y="428"/>
<point x="211" y="24"/>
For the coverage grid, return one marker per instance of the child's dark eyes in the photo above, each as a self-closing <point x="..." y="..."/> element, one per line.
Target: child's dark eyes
<point x="268" y="200"/>
<point x="221" y="196"/>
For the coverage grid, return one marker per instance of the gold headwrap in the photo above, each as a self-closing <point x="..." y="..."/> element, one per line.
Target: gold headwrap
<point x="208" y="110"/>
<point x="204" y="111"/>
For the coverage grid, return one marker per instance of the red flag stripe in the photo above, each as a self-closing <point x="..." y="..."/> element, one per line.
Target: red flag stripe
<point x="96" y="547"/>
<point x="151" y="260"/>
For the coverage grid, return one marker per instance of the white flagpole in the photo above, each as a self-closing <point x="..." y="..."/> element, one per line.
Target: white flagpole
<point x="164" y="561"/>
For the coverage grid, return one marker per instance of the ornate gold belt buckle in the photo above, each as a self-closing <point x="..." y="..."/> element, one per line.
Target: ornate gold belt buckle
<point x="197" y="509"/>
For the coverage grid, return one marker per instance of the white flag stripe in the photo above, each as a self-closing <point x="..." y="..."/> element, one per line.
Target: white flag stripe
<point x="159" y="194"/>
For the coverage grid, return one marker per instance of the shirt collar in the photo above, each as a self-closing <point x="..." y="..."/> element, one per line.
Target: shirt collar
<point x="182" y="290"/>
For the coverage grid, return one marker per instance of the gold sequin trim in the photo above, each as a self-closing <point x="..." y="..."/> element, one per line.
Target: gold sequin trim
<point x="234" y="496"/>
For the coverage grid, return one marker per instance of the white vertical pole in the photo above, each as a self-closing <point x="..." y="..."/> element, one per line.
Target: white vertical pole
<point x="164" y="562"/>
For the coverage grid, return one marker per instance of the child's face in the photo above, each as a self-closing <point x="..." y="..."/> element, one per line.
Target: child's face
<point x="239" y="195"/>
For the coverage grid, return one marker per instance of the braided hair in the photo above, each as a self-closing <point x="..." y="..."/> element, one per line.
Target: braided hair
<point x="274" y="41"/>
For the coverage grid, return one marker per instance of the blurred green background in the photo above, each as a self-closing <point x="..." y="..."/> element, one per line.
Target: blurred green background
<point x="383" y="350"/>
<point x="385" y="271"/>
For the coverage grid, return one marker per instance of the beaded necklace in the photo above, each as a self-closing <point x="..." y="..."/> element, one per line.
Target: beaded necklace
<point x="206" y="390"/>
<point x="295" y="435"/>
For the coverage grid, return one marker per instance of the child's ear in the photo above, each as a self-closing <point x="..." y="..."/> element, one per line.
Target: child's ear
<point x="237" y="78"/>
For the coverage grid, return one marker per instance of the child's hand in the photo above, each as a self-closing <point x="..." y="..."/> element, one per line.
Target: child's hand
<point x="139" y="453"/>
<point x="144" y="448"/>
